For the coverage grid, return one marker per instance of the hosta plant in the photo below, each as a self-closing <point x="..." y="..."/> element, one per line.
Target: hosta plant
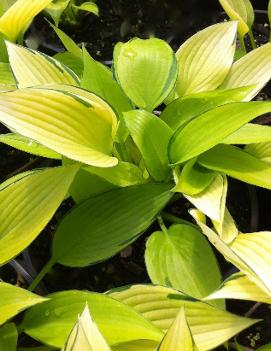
<point x="125" y="143"/>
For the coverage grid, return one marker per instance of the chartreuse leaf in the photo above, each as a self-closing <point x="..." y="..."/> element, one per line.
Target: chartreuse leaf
<point x="209" y="326"/>
<point x="261" y="151"/>
<point x="205" y="58"/>
<point x="56" y="8"/>
<point x="86" y="336"/>
<point x="28" y="145"/>
<point x="68" y="42"/>
<point x="6" y="76"/>
<point x="73" y="62"/>
<point x="146" y="70"/>
<point x="250" y="253"/>
<point x="27" y="204"/>
<point x="193" y="178"/>
<point x="179" y="336"/>
<point x="31" y="68"/>
<point x="14" y="300"/>
<point x="226" y="227"/>
<point x="240" y="10"/>
<point x="211" y="128"/>
<point x="184" y="109"/>
<point x="80" y="127"/>
<point x="52" y="321"/>
<point x="238" y="164"/>
<point x="138" y="345"/>
<point x="100" y="233"/>
<point x="151" y="135"/>
<point x="8" y="337"/>
<point x="253" y="68"/>
<point x="88" y="6"/>
<point x="16" y="19"/>
<point x="239" y="286"/>
<point x="182" y="259"/>
<point x="249" y="134"/>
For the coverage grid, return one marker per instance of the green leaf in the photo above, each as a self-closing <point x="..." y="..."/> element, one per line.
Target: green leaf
<point x="240" y="10"/>
<point x="6" y="76"/>
<point x="210" y="326"/>
<point x="16" y="19"/>
<point x="184" y="109"/>
<point x="52" y="321"/>
<point x="237" y="164"/>
<point x="86" y="336"/>
<point x="212" y="127"/>
<point x="56" y="9"/>
<point x="239" y="286"/>
<point x="253" y="68"/>
<point x="205" y="58"/>
<point x="193" y="178"/>
<point x="88" y="6"/>
<point x="146" y="70"/>
<point x="179" y="336"/>
<point x="151" y="135"/>
<point x="138" y="345"/>
<point x="28" y="145"/>
<point x="68" y="120"/>
<point x="105" y="224"/>
<point x="27" y="204"/>
<point x="38" y="348"/>
<point x="8" y="337"/>
<point x="266" y="347"/>
<point x="14" y="300"/>
<point x="261" y="151"/>
<point x="73" y="62"/>
<point x="249" y="134"/>
<point x="31" y="68"/>
<point x="182" y="259"/>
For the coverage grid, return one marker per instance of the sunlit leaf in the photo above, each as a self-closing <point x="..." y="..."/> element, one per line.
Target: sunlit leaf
<point x="261" y="151"/>
<point x="205" y="58"/>
<point x="88" y="6"/>
<point x="56" y="9"/>
<point x="249" y="134"/>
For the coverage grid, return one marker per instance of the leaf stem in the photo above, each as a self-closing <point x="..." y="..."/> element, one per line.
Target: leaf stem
<point x="252" y="39"/>
<point x="41" y="275"/>
<point x="162" y="225"/>
<point x="242" y="43"/>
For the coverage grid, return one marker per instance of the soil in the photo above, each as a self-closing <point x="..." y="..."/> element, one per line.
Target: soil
<point x="119" y="21"/>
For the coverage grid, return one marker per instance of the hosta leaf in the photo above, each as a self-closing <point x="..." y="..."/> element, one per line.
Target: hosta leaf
<point x="253" y="68"/>
<point x="27" y="204"/>
<point x="86" y="336"/>
<point x="209" y="326"/>
<point x="68" y="42"/>
<point x="146" y="70"/>
<point x="138" y="345"/>
<point x="266" y="347"/>
<point x="56" y="8"/>
<point x="226" y="227"/>
<point x="151" y="135"/>
<point x="212" y="200"/>
<point x="249" y="134"/>
<point x="38" y="348"/>
<point x="182" y="259"/>
<point x="240" y="10"/>
<point x="239" y="286"/>
<point x="88" y="6"/>
<point x="6" y="76"/>
<point x="212" y="127"/>
<point x="184" y="109"/>
<point x="105" y="224"/>
<point x="237" y="164"/>
<point x="8" y="337"/>
<point x="73" y="62"/>
<point x="27" y="145"/>
<point x="79" y="127"/>
<point x="52" y="321"/>
<point x="260" y="150"/>
<point x="16" y="19"/>
<point x="205" y="58"/>
<point x="31" y="68"/>
<point x="179" y="336"/>
<point x="14" y="300"/>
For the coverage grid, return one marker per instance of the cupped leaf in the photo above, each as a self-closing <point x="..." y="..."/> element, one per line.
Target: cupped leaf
<point x="52" y="321"/>
<point x="238" y="164"/>
<point x="212" y="127"/>
<point x="86" y="336"/>
<point x="16" y="19"/>
<point x="205" y="58"/>
<point x="209" y="326"/>
<point x="146" y="70"/>
<point x="239" y="286"/>
<point x="27" y="204"/>
<point x="151" y="135"/>
<point x="28" y="145"/>
<point x="253" y="68"/>
<point x="249" y="134"/>
<point x="261" y="151"/>
<point x="56" y="9"/>
<point x="182" y="259"/>
<point x="240" y="10"/>
<point x="8" y="337"/>
<point x="179" y="336"/>
<point x="80" y="127"/>
<point x="105" y="224"/>
<point x="14" y="300"/>
<point x="184" y="109"/>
